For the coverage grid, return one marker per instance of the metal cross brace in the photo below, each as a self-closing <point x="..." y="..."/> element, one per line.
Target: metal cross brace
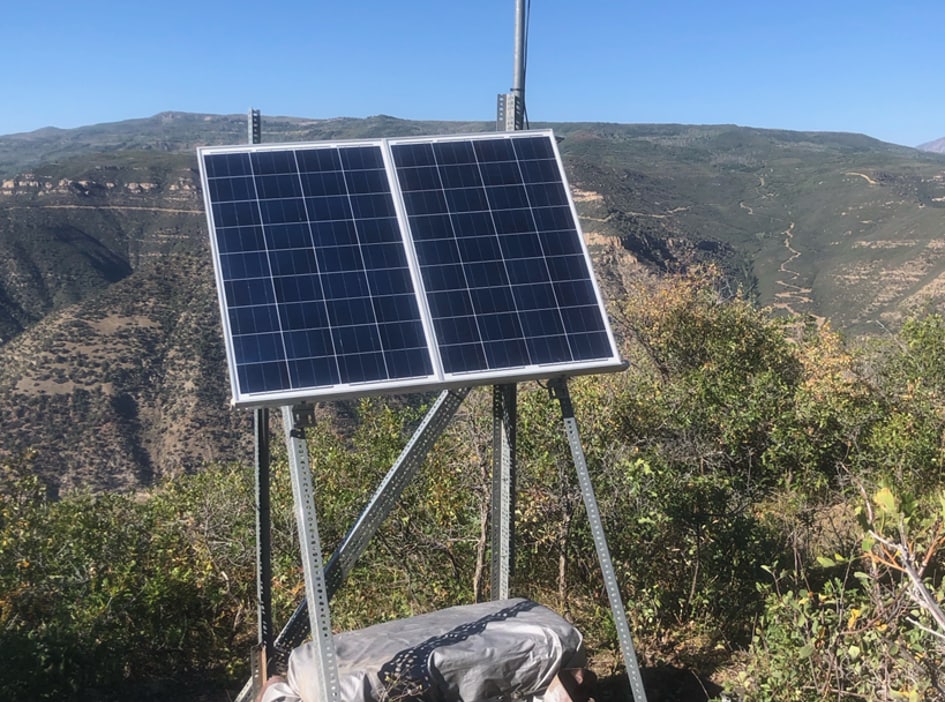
<point x="375" y="512"/>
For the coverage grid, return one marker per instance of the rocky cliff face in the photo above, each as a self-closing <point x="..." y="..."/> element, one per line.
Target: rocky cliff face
<point x="112" y="371"/>
<point x="64" y="236"/>
<point x="28" y="186"/>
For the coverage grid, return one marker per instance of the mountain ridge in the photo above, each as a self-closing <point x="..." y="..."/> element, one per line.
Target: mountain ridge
<point x="111" y="356"/>
<point x="935" y="146"/>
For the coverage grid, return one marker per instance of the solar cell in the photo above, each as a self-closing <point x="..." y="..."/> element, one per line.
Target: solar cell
<point x="388" y="265"/>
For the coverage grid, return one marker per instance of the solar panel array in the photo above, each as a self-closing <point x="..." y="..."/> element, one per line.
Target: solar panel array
<point x="349" y="268"/>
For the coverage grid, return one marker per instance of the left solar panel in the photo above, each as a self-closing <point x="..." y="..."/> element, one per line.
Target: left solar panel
<point x="316" y="293"/>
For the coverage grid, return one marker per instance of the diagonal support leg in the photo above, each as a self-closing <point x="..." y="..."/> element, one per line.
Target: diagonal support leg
<point x="559" y="389"/>
<point x="392" y="487"/>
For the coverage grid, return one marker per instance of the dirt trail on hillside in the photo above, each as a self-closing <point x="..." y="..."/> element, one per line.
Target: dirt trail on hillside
<point x="793" y="296"/>
<point x="863" y="176"/>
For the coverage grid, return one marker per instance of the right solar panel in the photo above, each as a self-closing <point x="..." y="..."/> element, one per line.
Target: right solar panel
<point x="507" y="279"/>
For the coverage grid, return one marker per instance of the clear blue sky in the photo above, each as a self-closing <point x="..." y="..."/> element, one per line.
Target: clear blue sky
<point x="865" y="66"/>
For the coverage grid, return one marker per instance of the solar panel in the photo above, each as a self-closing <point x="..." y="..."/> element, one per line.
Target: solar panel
<point x="364" y="267"/>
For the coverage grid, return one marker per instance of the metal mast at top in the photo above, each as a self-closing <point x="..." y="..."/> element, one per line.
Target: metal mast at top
<point x="510" y="115"/>
<point x="518" y="79"/>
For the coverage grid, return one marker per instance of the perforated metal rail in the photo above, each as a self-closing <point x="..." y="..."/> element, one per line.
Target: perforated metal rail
<point x="559" y="389"/>
<point x="316" y="592"/>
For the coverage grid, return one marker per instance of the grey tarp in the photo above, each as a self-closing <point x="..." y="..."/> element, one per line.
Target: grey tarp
<point x="504" y="650"/>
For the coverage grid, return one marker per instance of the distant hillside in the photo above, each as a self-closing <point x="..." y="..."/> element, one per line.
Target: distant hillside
<point x="111" y="361"/>
<point x="126" y="386"/>
<point x="835" y="226"/>
<point x="72" y="228"/>
<point x="183" y="132"/>
<point x="937" y="146"/>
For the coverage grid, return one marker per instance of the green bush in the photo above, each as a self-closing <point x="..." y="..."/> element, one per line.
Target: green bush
<point x="863" y="627"/>
<point x="98" y="591"/>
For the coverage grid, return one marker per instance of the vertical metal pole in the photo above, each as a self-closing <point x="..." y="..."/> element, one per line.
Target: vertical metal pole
<point x="559" y="389"/>
<point x="518" y="78"/>
<point x="264" y="649"/>
<point x="504" y="397"/>
<point x="263" y="534"/>
<point x="324" y="684"/>
<point x="504" y="415"/>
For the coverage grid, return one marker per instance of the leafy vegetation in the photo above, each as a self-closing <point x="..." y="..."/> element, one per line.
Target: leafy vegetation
<point x="96" y="591"/>
<point x="773" y="499"/>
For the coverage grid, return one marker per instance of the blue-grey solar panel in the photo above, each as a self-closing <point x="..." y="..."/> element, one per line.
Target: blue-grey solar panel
<point x="316" y="287"/>
<point x="363" y="267"/>
<point x="500" y="254"/>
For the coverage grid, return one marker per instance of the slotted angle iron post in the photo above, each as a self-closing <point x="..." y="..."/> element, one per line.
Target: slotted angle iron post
<point x="559" y="390"/>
